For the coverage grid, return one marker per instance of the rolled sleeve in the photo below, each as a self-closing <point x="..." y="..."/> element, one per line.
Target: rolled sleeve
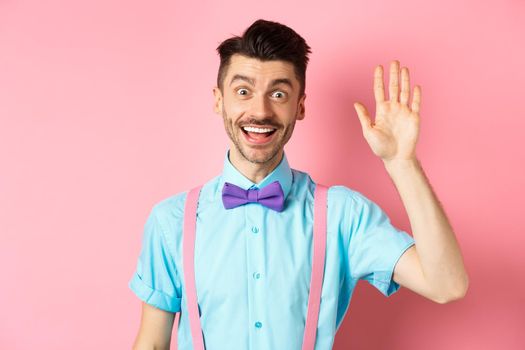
<point x="156" y="280"/>
<point x="375" y="245"/>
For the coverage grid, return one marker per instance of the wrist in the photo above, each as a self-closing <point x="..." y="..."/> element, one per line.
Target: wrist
<point x="399" y="165"/>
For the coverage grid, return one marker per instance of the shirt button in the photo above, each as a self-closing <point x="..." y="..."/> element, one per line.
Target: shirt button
<point x="256" y="275"/>
<point x="258" y="324"/>
<point x="255" y="229"/>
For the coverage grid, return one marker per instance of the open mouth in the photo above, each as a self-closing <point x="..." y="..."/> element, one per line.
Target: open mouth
<point x="258" y="135"/>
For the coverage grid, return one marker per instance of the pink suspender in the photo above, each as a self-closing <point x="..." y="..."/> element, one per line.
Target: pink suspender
<point x="316" y="280"/>
<point x="188" y="245"/>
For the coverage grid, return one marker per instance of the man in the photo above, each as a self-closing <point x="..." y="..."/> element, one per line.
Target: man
<point x="253" y="262"/>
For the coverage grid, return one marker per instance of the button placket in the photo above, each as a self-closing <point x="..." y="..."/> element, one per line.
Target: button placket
<point x="256" y="265"/>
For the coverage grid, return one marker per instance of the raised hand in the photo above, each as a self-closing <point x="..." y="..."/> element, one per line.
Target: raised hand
<point x="394" y="132"/>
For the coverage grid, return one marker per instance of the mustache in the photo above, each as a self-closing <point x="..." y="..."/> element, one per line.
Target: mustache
<point x="263" y="122"/>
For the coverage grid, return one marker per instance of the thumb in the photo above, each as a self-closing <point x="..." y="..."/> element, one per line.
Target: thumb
<point x="362" y="114"/>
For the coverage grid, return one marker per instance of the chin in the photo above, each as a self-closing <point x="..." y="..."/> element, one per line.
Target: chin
<point x="258" y="156"/>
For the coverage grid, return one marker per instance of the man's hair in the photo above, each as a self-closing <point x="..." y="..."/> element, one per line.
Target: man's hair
<point x="266" y="40"/>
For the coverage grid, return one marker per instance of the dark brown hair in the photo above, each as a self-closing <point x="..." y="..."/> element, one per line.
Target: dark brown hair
<point x="266" y="40"/>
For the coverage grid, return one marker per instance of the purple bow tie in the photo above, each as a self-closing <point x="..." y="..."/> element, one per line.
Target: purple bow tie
<point x="271" y="196"/>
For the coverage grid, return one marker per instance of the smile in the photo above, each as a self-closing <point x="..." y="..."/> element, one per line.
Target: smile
<point x="258" y="136"/>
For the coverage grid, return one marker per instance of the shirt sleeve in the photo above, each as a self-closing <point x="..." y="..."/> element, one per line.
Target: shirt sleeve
<point x="375" y="245"/>
<point x="155" y="280"/>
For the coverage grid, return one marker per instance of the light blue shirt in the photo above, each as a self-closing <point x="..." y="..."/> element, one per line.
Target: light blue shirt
<point x="253" y="264"/>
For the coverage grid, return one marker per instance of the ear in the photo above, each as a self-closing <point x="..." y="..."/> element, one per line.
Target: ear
<point x="217" y="106"/>
<point x="300" y="108"/>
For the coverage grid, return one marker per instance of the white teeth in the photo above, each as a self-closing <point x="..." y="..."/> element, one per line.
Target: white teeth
<point x="259" y="130"/>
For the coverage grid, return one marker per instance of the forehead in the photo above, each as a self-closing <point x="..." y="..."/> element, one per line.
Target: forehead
<point x="260" y="71"/>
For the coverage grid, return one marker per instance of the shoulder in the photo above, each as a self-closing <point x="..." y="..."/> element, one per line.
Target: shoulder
<point x="338" y="195"/>
<point x="169" y="211"/>
<point x="343" y="195"/>
<point x="350" y="205"/>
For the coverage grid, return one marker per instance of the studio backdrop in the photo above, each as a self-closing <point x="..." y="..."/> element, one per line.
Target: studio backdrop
<point x="106" y="108"/>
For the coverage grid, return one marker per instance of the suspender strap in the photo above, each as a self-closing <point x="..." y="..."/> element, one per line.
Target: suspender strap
<point x="316" y="279"/>
<point x="188" y="247"/>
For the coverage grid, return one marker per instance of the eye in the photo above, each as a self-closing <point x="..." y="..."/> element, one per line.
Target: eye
<point x="242" y="91"/>
<point x="279" y="94"/>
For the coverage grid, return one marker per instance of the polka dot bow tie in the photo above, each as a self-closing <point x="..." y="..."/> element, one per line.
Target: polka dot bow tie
<point x="270" y="196"/>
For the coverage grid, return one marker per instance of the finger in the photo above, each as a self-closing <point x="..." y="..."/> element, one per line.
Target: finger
<point x="393" y="90"/>
<point x="416" y="99"/>
<point x="405" y="86"/>
<point x="379" y="87"/>
<point x="362" y="114"/>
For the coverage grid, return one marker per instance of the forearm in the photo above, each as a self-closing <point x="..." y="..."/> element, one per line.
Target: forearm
<point x="144" y="345"/>
<point x="436" y="244"/>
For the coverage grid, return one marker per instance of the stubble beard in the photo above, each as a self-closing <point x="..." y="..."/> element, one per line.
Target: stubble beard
<point x="233" y="131"/>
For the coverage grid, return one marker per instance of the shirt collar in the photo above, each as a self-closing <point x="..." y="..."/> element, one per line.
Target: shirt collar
<point x="282" y="173"/>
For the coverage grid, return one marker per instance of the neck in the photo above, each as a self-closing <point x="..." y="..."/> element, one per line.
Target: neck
<point x="256" y="172"/>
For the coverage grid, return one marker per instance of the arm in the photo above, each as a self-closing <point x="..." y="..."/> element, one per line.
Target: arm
<point x="155" y="329"/>
<point x="433" y="267"/>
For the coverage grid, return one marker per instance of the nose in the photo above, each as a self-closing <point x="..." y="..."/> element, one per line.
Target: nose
<point x="261" y="107"/>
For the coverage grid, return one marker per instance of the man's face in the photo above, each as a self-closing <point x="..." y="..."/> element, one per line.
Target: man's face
<point x="262" y="95"/>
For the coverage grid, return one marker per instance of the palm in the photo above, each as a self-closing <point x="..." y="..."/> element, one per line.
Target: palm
<point x="394" y="132"/>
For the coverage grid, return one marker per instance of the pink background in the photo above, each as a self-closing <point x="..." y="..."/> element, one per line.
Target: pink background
<point x="106" y="108"/>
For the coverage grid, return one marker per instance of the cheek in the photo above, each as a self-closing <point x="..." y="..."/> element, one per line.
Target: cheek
<point x="289" y="113"/>
<point x="234" y="111"/>
<point x="235" y="105"/>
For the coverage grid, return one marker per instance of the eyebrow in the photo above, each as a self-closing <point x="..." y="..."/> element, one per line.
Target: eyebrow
<point x="251" y="81"/>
